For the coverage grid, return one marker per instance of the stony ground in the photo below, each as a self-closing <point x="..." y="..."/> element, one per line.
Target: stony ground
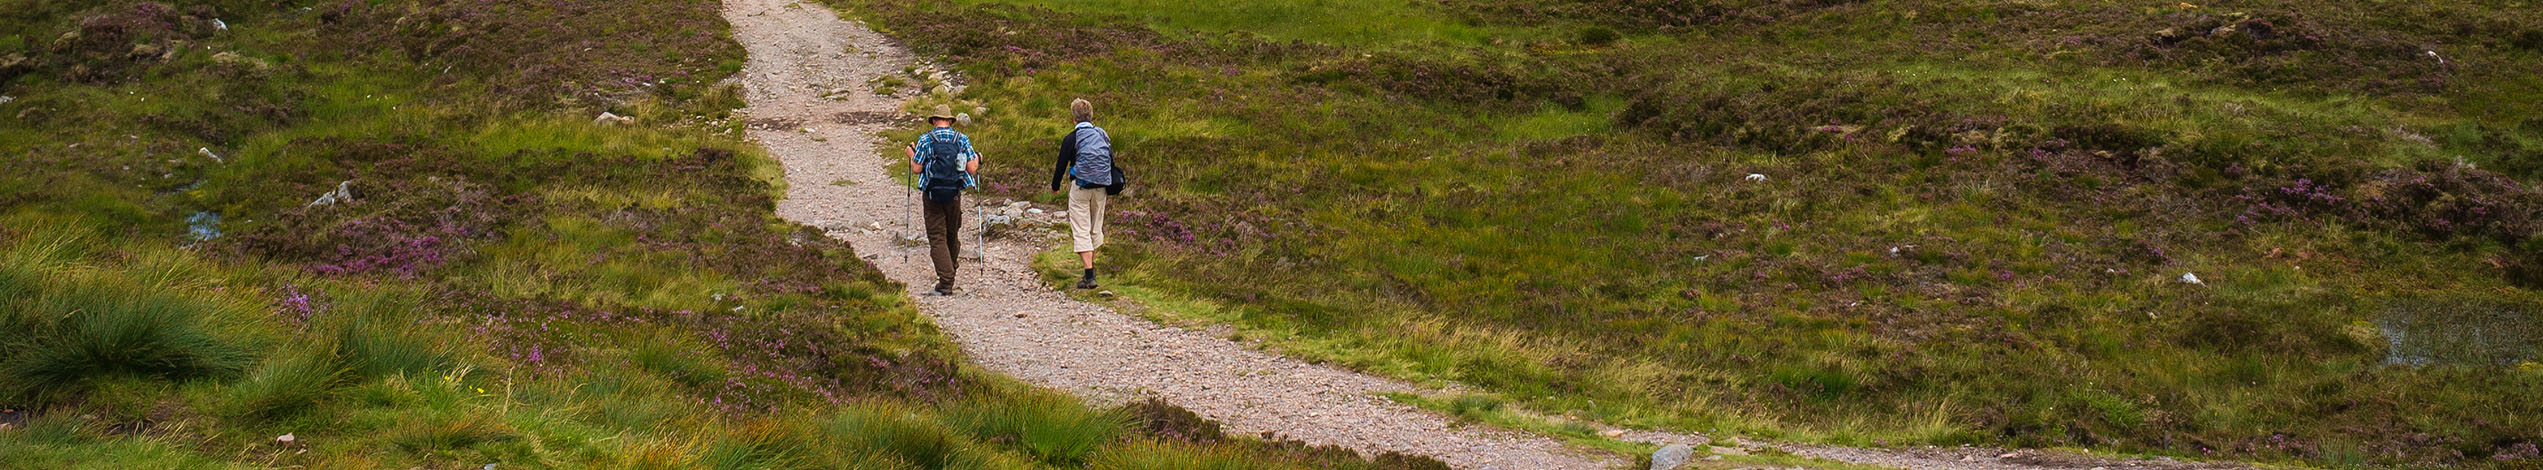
<point x="806" y="82"/>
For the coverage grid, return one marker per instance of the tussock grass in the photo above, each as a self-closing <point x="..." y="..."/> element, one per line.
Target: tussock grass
<point x="1050" y="427"/>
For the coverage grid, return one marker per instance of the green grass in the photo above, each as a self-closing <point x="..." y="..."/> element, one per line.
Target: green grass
<point x="510" y="283"/>
<point x="1971" y="222"/>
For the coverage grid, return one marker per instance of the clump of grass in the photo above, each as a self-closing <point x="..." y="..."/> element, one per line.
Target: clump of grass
<point x="1148" y="455"/>
<point x="903" y="433"/>
<point x="1052" y="428"/>
<point x="75" y="325"/>
<point x="674" y="356"/>
<point x="285" y="383"/>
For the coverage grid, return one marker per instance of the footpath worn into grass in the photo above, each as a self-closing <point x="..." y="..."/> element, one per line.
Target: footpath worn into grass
<point x="1006" y="319"/>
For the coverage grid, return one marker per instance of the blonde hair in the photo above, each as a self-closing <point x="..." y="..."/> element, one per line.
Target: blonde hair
<point x="1082" y="110"/>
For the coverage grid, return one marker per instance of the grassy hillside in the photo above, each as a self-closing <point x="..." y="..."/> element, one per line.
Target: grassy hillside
<point x="1968" y="220"/>
<point x="508" y="283"/>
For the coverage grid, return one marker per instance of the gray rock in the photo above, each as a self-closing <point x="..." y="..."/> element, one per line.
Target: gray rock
<point x="343" y="193"/>
<point x="1671" y="457"/>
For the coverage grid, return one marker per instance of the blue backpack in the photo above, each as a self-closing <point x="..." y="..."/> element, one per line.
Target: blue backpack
<point x="943" y="176"/>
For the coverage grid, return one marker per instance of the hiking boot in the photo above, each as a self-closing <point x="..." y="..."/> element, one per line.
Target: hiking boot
<point x="944" y="288"/>
<point x="1086" y="283"/>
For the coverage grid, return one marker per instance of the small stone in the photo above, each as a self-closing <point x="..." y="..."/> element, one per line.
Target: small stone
<point x="2007" y="455"/>
<point x="1612" y="433"/>
<point x="1019" y="314"/>
<point x="286" y="439"/>
<point x="1756" y="177"/>
<point x="1106" y="293"/>
<point x="342" y="193"/>
<point x="1672" y="457"/>
<point x="612" y="119"/>
<point x="1729" y="450"/>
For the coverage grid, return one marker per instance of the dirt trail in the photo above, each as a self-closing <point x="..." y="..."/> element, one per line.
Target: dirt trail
<point x="805" y="82"/>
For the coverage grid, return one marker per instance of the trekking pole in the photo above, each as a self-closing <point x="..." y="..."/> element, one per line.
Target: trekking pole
<point x="909" y="200"/>
<point x="982" y="242"/>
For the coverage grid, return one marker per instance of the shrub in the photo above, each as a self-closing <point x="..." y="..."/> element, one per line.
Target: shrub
<point x="1599" y="36"/>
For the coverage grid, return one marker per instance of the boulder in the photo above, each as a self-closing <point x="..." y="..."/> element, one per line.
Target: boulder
<point x="1672" y="457"/>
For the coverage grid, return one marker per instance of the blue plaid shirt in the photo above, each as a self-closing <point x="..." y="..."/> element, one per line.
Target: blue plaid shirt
<point x="921" y="150"/>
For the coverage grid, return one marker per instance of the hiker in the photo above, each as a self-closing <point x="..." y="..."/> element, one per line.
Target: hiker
<point x="1086" y="159"/>
<point x="944" y="162"/>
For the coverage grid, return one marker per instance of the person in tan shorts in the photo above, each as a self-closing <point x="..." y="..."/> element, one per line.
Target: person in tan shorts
<point x="1086" y="163"/>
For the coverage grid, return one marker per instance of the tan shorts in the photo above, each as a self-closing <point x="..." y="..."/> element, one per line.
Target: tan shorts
<point x="1086" y="217"/>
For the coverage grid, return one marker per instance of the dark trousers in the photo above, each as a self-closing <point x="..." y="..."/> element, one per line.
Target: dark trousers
<point x="944" y="238"/>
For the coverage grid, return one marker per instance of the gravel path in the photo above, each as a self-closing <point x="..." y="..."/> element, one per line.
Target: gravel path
<point x="1005" y="319"/>
<point x="806" y="85"/>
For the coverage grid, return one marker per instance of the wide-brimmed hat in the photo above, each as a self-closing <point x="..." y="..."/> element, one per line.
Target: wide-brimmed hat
<point x="945" y="112"/>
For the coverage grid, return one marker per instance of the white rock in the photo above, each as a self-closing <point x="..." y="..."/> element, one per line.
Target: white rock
<point x="5" y="99"/>
<point x="342" y="193"/>
<point x="1756" y="177"/>
<point x="2192" y="278"/>
<point x="608" y="118"/>
<point x="207" y="152"/>
<point x="286" y="439"/>
<point x="221" y="25"/>
<point x="1033" y="211"/>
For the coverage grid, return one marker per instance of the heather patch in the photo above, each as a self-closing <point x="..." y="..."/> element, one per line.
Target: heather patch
<point x="611" y="51"/>
<point x="1977" y="221"/>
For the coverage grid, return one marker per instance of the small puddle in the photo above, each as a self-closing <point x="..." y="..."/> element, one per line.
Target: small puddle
<point x="2452" y="331"/>
<point x="203" y="226"/>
